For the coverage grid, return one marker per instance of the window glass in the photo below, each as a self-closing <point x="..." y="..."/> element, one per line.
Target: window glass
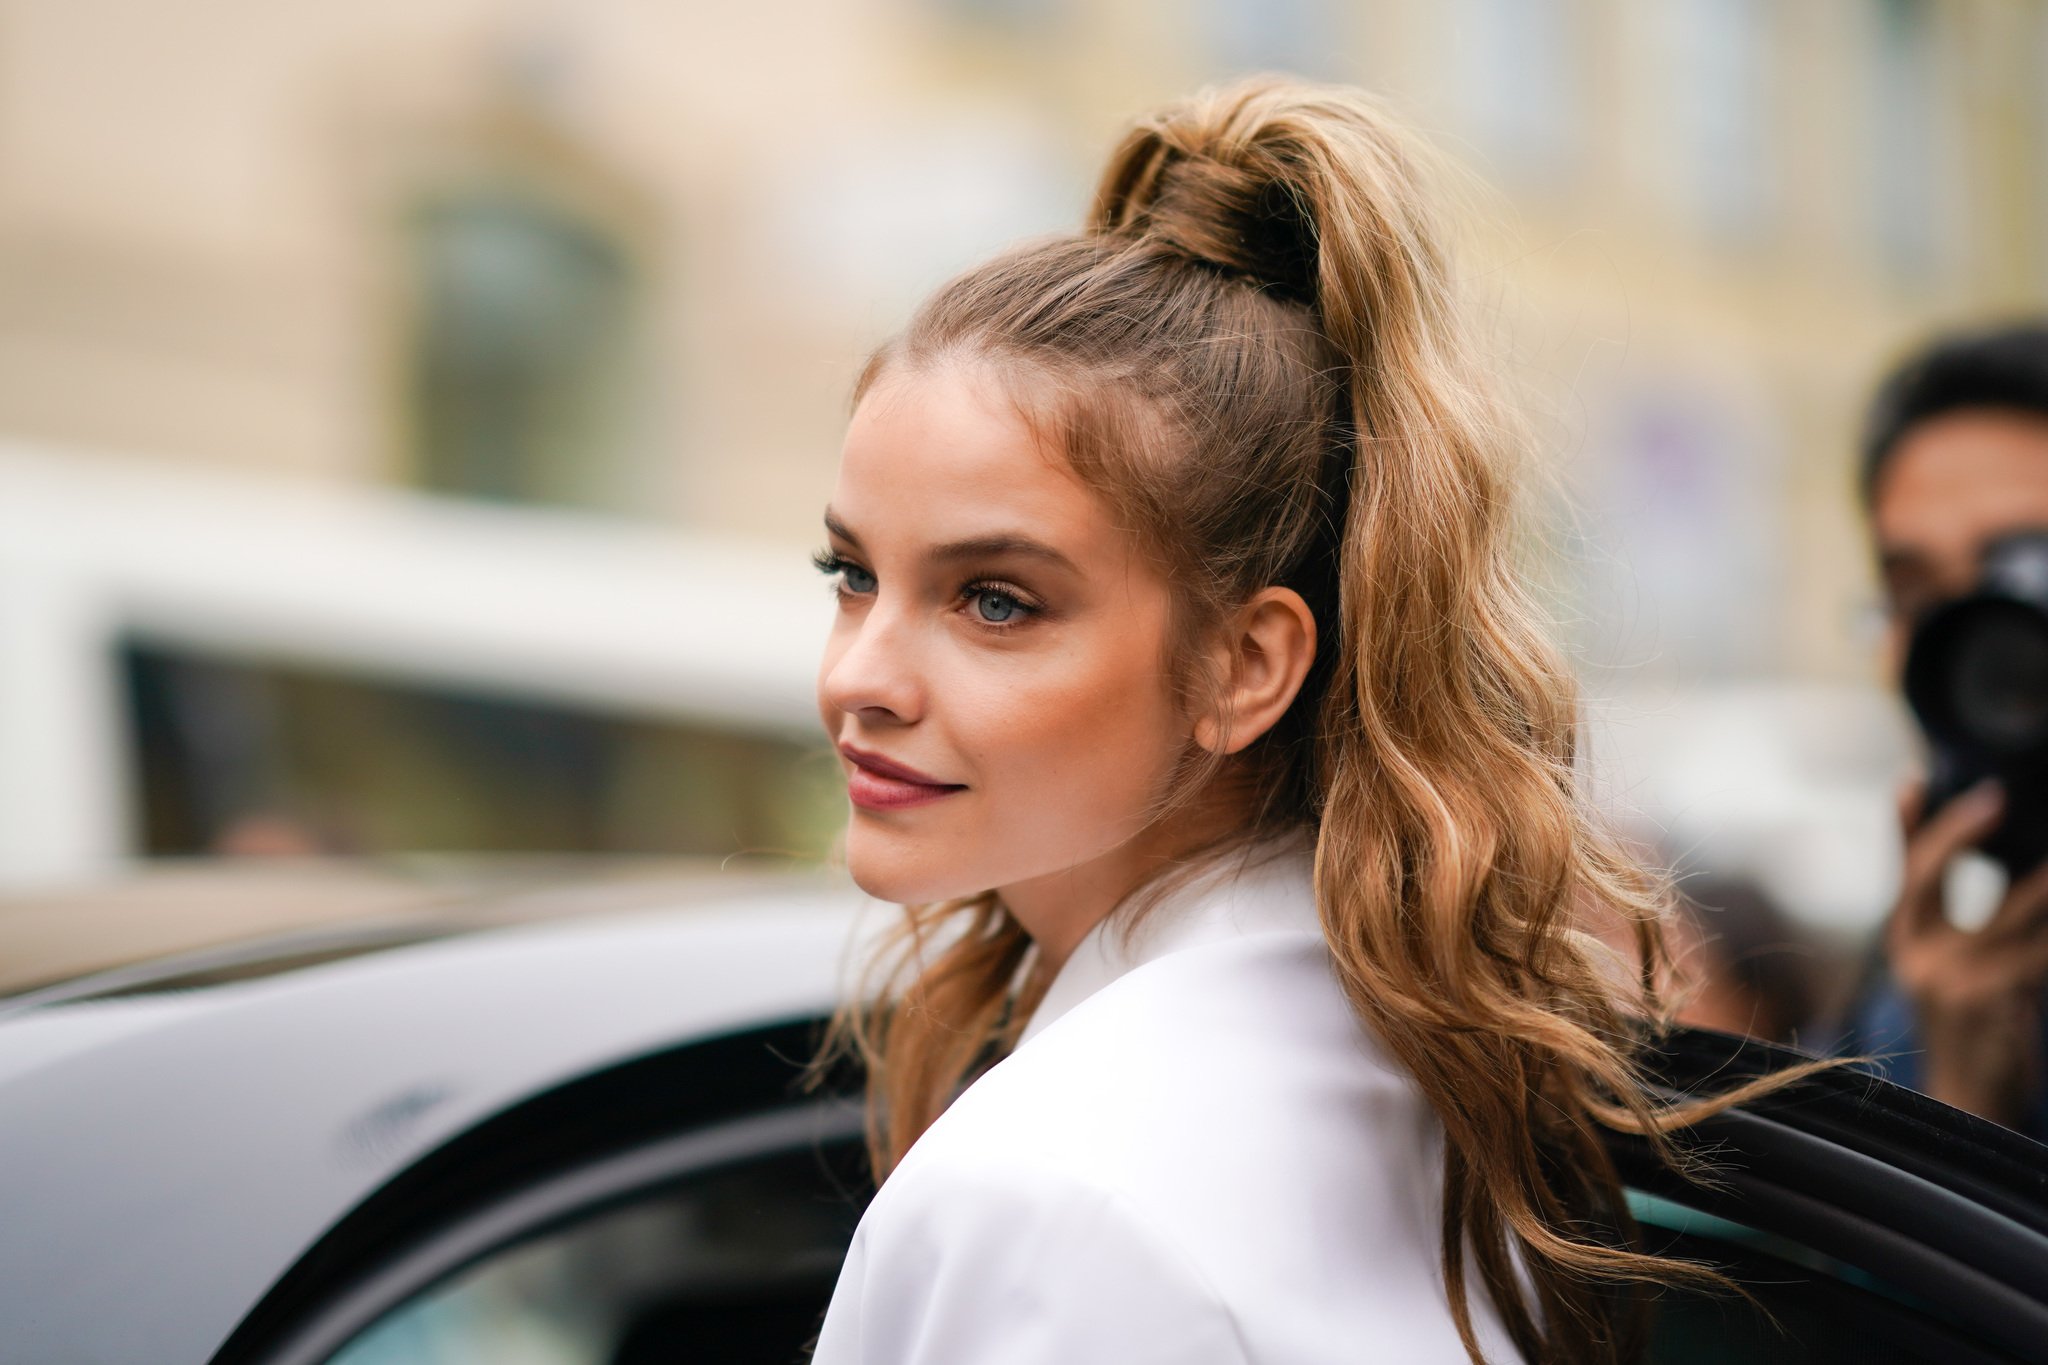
<point x="1908" y="182"/>
<point x="1717" y="55"/>
<point x="736" y="1267"/>
<point x="1515" y="79"/>
<point x="1307" y="37"/>
<point x="240" y="758"/>
<point x="521" y="355"/>
<point x="2036" y="176"/>
<point x="1022" y="16"/>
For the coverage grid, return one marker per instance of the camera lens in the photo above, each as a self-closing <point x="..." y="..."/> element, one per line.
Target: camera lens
<point x="1998" y="677"/>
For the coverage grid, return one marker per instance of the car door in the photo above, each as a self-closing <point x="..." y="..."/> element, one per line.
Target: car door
<point x="694" y="1206"/>
<point x="1863" y="1222"/>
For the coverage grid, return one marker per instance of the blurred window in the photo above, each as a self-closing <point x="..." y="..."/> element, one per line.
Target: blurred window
<point x="522" y="350"/>
<point x="1514" y="70"/>
<point x="1305" y="37"/>
<point x="1717" y="52"/>
<point x="1023" y="16"/>
<point x="2036" y="174"/>
<point x="879" y="214"/>
<point x="1687" y="534"/>
<point x="1910" y="186"/>
<point x="241" y="758"/>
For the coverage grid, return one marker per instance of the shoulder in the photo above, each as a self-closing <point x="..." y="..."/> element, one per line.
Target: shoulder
<point x="1018" y="1261"/>
<point x="1222" y="1094"/>
<point x="1243" y="1040"/>
<point x="1210" y="1154"/>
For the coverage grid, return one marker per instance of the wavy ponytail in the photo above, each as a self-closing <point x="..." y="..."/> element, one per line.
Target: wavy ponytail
<point x="1255" y="351"/>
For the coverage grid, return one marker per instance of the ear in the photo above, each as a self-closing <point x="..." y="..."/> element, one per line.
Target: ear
<point x="1262" y="657"/>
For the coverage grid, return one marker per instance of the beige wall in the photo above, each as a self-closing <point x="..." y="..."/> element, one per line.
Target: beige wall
<point x="198" y="210"/>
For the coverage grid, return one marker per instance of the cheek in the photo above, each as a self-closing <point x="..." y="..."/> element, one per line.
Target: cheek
<point x="1065" y="753"/>
<point x="1072" y="753"/>
<point x="1090" y="731"/>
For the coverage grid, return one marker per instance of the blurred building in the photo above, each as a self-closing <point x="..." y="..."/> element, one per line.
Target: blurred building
<point x="615" y="262"/>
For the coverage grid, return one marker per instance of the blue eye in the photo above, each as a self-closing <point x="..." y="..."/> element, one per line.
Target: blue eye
<point x="852" y="577"/>
<point x="995" y="607"/>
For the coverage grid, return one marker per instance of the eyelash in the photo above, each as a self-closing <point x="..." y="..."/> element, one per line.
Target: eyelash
<point x="836" y="566"/>
<point x="833" y="567"/>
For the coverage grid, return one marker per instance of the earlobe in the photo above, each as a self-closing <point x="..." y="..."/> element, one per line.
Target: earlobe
<point x="1271" y="642"/>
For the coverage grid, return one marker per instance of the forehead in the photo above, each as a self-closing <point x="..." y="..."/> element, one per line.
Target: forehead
<point x="944" y="452"/>
<point x="1959" y="480"/>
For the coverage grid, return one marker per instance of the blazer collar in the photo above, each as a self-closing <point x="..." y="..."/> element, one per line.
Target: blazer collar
<point x="1266" y="889"/>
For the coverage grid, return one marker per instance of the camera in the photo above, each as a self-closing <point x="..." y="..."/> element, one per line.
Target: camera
<point x="1977" y="679"/>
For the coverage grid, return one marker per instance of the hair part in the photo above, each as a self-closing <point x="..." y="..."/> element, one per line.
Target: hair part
<point x="1255" y="354"/>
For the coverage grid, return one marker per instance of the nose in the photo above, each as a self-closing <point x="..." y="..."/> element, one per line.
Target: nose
<point x="871" y="670"/>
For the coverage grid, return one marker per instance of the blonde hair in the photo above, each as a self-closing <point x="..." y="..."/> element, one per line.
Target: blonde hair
<point x="1255" y="352"/>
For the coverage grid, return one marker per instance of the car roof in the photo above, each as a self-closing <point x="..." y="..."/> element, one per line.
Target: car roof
<point x="178" y="914"/>
<point x="246" y="1114"/>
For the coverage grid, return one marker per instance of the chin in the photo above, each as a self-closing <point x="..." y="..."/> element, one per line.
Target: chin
<point x="903" y="868"/>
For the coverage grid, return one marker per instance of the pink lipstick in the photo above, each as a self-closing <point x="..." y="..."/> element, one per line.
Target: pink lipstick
<point x="878" y="783"/>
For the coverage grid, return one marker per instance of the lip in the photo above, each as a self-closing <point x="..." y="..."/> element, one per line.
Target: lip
<point x="878" y="783"/>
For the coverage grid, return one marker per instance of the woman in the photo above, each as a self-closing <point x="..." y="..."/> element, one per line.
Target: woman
<point x="1187" y="697"/>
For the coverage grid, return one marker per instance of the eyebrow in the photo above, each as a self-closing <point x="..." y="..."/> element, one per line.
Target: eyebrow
<point x="974" y="547"/>
<point x="991" y="547"/>
<point x="834" y="526"/>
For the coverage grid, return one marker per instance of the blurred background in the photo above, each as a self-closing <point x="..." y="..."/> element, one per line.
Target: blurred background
<point x="415" y="414"/>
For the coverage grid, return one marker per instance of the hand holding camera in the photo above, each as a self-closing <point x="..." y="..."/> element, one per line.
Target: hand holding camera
<point x="1977" y="678"/>
<point x="1976" y="991"/>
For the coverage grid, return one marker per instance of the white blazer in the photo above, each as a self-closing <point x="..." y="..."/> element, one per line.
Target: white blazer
<point x="1195" y="1155"/>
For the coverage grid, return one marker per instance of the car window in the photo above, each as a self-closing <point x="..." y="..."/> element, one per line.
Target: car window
<point x="731" y="1266"/>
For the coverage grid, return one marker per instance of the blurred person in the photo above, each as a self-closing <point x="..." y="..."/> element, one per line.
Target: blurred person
<point x="1189" y="703"/>
<point x="1954" y="467"/>
<point x="1732" y="960"/>
<point x="1750" y="971"/>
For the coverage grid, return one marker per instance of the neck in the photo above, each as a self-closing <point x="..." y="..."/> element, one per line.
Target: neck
<point x="1058" y="909"/>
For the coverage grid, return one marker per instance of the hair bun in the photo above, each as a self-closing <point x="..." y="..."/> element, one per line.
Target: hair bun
<point x="1210" y="180"/>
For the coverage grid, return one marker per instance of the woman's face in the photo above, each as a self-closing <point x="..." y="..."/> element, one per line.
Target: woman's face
<point x="994" y="679"/>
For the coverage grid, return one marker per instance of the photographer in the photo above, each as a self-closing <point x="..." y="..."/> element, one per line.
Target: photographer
<point x="1955" y="483"/>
